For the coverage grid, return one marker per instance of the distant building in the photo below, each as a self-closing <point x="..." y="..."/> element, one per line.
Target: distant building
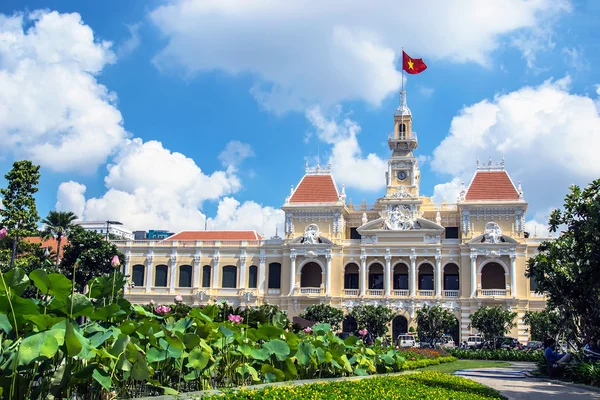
<point x="102" y="226"/>
<point x="158" y="234"/>
<point x="140" y="235"/>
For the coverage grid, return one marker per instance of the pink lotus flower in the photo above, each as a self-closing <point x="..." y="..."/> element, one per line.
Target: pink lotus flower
<point x="162" y="310"/>
<point x="308" y="329"/>
<point x="236" y="319"/>
<point x="115" y="262"/>
<point x="3" y="233"/>
<point x="178" y="298"/>
<point x="363" y="332"/>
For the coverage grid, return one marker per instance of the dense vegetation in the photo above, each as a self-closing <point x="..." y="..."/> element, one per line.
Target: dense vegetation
<point x="502" y="355"/>
<point x="426" y="385"/>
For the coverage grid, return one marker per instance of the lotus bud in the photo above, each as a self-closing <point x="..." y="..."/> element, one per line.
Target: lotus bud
<point x="3" y="233"/>
<point x="236" y="319"/>
<point x="178" y="298"/>
<point x="115" y="262"/>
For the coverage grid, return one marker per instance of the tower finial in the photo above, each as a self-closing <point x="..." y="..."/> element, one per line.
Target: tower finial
<point x="403" y="107"/>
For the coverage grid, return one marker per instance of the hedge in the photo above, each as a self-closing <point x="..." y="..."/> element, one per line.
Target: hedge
<point x="501" y="355"/>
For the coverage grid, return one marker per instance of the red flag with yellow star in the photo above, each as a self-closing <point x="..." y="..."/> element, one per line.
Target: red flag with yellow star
<point x="412" y="65"/>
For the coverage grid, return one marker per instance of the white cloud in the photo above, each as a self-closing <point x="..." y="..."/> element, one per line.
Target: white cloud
<point x="235" y="152"/>
<point x="323" y="52"/>
<point x="348" y="165"/>
<point x="548" y="136"/>
<point x="449" y="191"/>
<point x="150" y="187"/>
<point x="425" y="91"/>
<point x="134" y="40"/>
<point x="52" y="109"/>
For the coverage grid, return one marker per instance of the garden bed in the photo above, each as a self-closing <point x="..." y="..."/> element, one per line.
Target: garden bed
<point x="500" y="355"/>
<point x="426" y="385"/>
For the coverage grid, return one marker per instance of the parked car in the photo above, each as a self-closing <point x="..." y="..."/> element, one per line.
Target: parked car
<point x="406" y="340"/>
<point x="474" y="341"/>
<point x="448" y="342"/>
<point x="534" y="345"/>
<point x="509" y="343"/>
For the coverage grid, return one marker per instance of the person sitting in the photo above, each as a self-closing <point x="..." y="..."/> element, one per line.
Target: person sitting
<point x="555" y="360"/>
<point x="591" y="350"/>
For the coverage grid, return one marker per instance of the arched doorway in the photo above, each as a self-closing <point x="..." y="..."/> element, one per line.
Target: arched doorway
<point x="349" y="324"/>
<point x="493" y="276"/>
<point x="399" y="326"/>
<point x="310" y="275"/>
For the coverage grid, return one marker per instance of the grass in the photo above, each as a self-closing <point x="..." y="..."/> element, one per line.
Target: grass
<point x="465" y="364"/>
<point x="428" y="385"/>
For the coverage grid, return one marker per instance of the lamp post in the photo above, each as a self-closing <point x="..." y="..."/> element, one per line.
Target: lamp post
<point x="108" y="224"/>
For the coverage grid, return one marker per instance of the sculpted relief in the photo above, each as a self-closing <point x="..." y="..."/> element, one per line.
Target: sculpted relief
<point x="492" y="233"/>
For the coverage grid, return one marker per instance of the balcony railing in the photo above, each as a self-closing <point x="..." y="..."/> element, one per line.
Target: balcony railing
<point x="401" y="292"/>
<point x="493" y="292"/>
<point x="310" y="290"/>
<point x="375" y="292"/>
<point x="425" y="293"/>
<point x="538" y="295"/>
<point x="451" y="293"/>
<point x="351" y="292"/>
<point x="273" y="291"/>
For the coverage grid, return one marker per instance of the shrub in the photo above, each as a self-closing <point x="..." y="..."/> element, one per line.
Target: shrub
<point x="427" y="385"/>
<point x="324" y="313"/>
<point x="502" y="355"/>
<point x="374" y="319"/>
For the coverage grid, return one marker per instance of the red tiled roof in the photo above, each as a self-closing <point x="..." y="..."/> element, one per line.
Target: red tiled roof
<point x="216" y="235"/>
<point x="315" y="189"/>
<point x="491" y="185"/>
<point x="47" y="243"/>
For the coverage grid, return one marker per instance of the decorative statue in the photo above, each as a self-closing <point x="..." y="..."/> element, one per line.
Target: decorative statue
<point x="492" y="233"/>
<point x="397" y="220"/>
<point x="311" y="234"/>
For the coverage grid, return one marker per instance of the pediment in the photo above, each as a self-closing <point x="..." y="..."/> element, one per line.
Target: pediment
<point x="502" y="239"/>
<point x="319" y="240"/>
<point x="380" y="227"/>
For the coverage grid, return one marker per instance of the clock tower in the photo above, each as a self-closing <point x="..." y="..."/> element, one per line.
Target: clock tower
<point x="403" y="170"/>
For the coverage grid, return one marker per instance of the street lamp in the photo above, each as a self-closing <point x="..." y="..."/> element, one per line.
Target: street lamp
<point x="108" y="224"/>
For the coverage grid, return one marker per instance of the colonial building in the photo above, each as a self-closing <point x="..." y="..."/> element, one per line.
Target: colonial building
<point x="404" y="251"/>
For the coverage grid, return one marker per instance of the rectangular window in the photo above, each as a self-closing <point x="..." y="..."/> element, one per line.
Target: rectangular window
<point x="425" y="282"/>
<point x="351" y="281"/>
<point x="206" y="276"/>
<point x="401" y="282"/>
<point x="450" y="282"/>
<point x="354" y="234"/>
<point x="138" y="275"/>
<point x="451" y="232"/>
<point x="160" y="277"/>
<point x="185" y="276"/>
<point x="252" y="277"/>
<point x="274" y="276"/>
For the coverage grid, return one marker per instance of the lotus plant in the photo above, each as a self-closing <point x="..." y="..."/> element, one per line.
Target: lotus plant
<point x="3" y="233"/>
<point x="162" y="310"/>
<point x="236" y="319"/>
<point x="363" y="332"/>
<point x="178" y="299"/>
<point x="115" y="262"/>
<point x="308" y="329"/>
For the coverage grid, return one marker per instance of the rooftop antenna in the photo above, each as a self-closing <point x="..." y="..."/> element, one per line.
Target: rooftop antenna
<point x="205" y="223"/>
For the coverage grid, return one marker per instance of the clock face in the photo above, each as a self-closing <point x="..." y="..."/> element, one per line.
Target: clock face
<point x="402" y="175"/>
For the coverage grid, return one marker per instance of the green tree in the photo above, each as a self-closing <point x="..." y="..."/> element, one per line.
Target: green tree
<point x="542" y="324"/>
<point x="91" y="253"/>
<point x="374" y="319"/>
<point x="324" y="313"/>
<point x="434" y="322"/>
<point x="567" y="270"/>
<point x="58" y="224"/>
<point x="19" y="215"/>
<point x="493" y="323"/>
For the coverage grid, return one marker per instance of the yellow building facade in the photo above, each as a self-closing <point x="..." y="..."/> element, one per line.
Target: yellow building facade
<point x="403" y="252"/>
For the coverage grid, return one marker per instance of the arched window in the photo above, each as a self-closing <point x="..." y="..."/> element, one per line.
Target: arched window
<point x="376" y="276"/>
<point x="492" y="276"/>
<point x="206" y="276"/>
<point x="185" y="276"/>
<point x="229" y="277"/>
<point x="274" y="276"/>
<point x="252" y="276"/>
<point x="402" y="128"/>
<point x="451" y="277"/>
<point x="311" y="275"/>
<point x="160" y="276"/>
<point x="401" y="277"/>
<point x="137" y="276"/>
<point x="426" y="277"/>
<point x="351" y="277"/>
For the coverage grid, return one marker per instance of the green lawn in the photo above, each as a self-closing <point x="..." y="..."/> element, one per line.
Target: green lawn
<point x="449" y="368"/>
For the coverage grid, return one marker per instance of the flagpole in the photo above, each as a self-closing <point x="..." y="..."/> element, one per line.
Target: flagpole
<point x="402" y="67"/>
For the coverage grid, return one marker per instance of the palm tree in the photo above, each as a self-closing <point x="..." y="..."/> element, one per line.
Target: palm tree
<point x="58" y="224"/>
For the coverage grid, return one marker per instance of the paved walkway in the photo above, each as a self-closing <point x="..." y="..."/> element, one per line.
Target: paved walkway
<point x="514" y="383"/>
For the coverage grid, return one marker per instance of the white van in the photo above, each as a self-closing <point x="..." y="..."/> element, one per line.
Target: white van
<point x="406" y="340"/>
<point x="473" y="341"/>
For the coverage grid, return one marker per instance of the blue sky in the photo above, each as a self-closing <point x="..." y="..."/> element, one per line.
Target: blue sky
<point x="106" y="115"/>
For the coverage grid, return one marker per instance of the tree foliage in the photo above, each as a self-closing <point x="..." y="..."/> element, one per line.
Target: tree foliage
<point x="542" y="324"/>
<point x="324" y="313"/>
<point x="19" y="214"/>
<point x="493" y="323"/>
<point x="58" y="224"/>
<point x="434" y="322"/>
<point x="374" y="319"/>
<point x="567" y="270"/>
<point x="91" y="253"/>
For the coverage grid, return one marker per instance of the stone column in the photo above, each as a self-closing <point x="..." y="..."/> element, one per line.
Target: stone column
<point x="172" y="273"/>
<point x="473" y="275"/>
<point x="215" y="271"/>
<point x="261" y="274"/>
<point x="438" y="276"/>
<point x="363" y="275"/>
<point x="292" y="272"/>
<point x="149" y="273"/>
<point x="513" y="275"/>
<point x="328" y="275"/>
<point x="412" y="283"/>
<point x="127" y="271"/>
<point x="196" y="274"/>
<point x="242" y="284"/>
<point x="387" y="282"/>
